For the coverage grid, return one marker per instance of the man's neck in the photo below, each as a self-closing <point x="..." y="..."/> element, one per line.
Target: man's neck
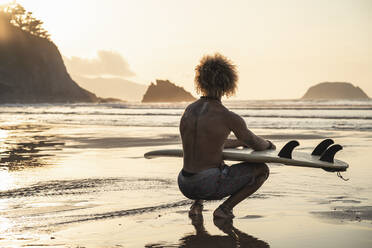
<point x="211" y="98"/>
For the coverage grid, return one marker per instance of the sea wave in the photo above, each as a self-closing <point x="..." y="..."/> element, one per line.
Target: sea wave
<point x="325" y="115"/>
<point x="314" y="116"/>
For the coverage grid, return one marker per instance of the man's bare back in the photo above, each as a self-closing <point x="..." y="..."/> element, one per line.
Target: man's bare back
<point x="205" y="126"/>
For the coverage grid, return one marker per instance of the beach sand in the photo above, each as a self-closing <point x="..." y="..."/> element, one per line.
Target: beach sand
<point x="90" y="186"/>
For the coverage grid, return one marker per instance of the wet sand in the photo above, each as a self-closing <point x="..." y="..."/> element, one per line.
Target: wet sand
<point x="81" y="186"/>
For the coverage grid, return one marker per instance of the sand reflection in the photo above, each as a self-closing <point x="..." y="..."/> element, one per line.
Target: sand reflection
<point x="21" y="147"/>
<point x="233" y="237"/>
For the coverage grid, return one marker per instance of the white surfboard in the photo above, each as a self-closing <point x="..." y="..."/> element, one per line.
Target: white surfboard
<point x="321" y="157"/>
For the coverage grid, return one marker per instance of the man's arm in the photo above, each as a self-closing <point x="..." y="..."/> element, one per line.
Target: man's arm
<point x="239" y="128"/>
<point x="233" y="143"/>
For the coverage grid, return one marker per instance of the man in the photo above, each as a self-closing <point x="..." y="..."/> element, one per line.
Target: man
<point x="204" y="127"/>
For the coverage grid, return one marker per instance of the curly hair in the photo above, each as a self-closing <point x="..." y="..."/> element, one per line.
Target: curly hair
<point x="216" y="76"/>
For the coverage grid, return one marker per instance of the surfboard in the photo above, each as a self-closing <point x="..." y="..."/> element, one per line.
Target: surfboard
<point x="321" y="157"/>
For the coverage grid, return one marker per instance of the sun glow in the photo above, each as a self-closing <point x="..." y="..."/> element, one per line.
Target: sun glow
<point x="5" y="224"/>
<point x="6" y="179"/>
<point x="3" y="136"/>
<point x="3" y="2"/>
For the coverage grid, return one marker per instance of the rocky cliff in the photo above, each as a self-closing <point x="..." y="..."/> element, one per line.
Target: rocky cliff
<point x="335" y="90"/>
<point x="165" y="91"/>
<point x="32" y="70"/>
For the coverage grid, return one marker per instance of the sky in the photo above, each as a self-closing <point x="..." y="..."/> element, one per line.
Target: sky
<point x="281" y="47"/>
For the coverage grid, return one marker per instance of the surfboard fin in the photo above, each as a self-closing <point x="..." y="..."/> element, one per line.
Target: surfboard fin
<point x="329" y="154"/>
<point x="286" y="151"/>
<point x="322" y="147"/>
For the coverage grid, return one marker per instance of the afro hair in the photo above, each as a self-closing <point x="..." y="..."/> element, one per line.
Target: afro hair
<point x="216" y="76"/>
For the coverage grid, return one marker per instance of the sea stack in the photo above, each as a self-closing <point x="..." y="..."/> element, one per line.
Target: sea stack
<point x="335" y="90"/>
<point x="165" y="91"/>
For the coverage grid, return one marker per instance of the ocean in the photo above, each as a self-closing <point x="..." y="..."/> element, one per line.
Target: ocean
<point x="266" y="114"/>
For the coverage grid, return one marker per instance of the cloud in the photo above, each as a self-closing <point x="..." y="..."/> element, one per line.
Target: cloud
<point x="107" y="63"/>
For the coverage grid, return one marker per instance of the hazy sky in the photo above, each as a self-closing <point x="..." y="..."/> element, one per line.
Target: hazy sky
<point x="281" y="47"/>
<point x="106" y="63"/>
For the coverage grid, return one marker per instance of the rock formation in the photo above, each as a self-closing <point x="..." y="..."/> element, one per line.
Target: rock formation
<point x="334" y="90"/>
<point x="165" y="91"/>
<point x="32" y="70"/>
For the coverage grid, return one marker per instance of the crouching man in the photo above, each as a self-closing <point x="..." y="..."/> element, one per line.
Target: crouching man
<point x="204" y="127"/>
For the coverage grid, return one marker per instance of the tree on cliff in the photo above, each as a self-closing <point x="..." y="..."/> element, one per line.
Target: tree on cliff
<point x="31" y="67"/>
<point x="16" y="15"/>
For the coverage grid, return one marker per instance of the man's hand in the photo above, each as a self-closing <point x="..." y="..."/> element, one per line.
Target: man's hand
<point x="271" y="145"/>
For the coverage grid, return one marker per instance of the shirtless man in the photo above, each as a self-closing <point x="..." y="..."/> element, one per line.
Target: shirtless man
<point x="204" y="127"/>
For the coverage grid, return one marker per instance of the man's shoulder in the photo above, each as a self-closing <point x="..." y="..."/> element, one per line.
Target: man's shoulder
<point x="195" y="103"/>
<point x="226" y="111"/>
<point x="192" y="105"/>
<point x="231" y="117"/>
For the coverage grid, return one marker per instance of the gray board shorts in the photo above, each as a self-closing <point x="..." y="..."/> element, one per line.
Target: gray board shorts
<point x="217" y="183"/>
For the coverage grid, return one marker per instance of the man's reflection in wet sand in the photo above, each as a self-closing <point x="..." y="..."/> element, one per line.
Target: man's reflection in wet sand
<point x="234" y="237"/>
